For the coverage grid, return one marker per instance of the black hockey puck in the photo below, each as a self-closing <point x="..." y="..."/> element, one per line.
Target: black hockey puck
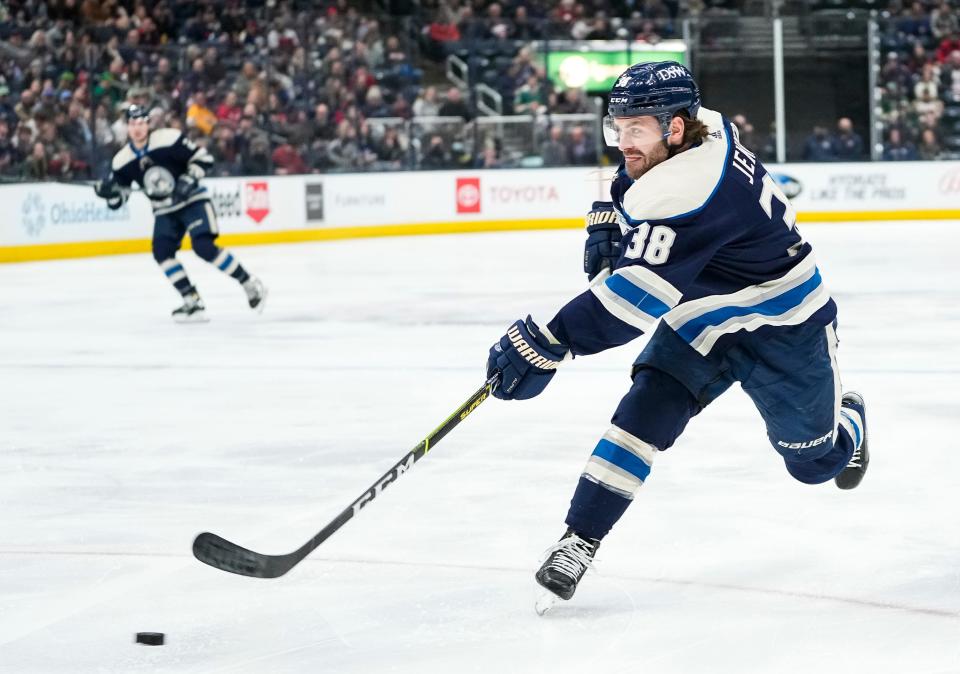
<point x="150" y="638"/>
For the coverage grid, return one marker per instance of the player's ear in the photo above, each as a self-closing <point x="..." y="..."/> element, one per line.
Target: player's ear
<point x="677" y="128"/>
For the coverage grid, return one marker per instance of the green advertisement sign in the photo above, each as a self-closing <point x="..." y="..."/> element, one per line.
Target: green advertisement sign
<point x="598" y="70"/>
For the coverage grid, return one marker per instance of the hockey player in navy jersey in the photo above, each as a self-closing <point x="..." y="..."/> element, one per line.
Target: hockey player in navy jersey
<point x="168" y="166"/>
<point x="699" y="245"/>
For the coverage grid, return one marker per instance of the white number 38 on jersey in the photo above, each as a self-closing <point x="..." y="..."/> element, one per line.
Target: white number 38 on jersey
<point x="651" y="244"/>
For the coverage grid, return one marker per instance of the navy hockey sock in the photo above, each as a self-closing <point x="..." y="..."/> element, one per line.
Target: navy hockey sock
<point x="228" y="264"/>
<point x="595" y="509"/>
<point x="177" y="276"/>
<point x="241" y="274"/>
<point x="204" y="246"/>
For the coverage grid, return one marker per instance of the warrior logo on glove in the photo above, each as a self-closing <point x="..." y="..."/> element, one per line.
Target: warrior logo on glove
<point x="603" y="217"/>
<point x="526" y="360"/>
<point x="602" y="247"/>
<point x="528" y="352"/>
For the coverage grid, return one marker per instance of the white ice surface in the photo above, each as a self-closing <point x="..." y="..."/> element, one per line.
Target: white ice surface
<point x="123" y="435"/>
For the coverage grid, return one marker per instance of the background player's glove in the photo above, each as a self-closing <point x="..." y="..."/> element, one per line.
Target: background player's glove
<point x="186" y="183"/>
<point x="526" y="360"/>
<point x="106" y="188"/>
<point x="109" y="189"/>
<point x="602" y="249"/>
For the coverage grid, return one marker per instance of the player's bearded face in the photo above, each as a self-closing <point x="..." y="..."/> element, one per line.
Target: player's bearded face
<point x="138" y="129"/>
<point x="642" y="144"/>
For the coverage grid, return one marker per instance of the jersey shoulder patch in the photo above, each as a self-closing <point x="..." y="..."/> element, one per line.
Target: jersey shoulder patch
<point x="685" y="183"/>
<point x="163" y="138"/>
<point x="123" y="157"/>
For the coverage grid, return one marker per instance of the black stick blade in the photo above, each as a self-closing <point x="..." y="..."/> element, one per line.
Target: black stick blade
<point x="222" y="554"/>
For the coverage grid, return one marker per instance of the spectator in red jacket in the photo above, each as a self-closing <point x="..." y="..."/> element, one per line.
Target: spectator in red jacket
<point x="287" y="161"/>
<point x="948" y="45"/>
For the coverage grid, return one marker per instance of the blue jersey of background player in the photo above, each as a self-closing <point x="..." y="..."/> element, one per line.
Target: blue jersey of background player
<point x="168" y="166"/>
<point x="700" y="246"/>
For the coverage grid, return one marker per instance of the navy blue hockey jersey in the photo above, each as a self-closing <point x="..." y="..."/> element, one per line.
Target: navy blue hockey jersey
<point x="710" y="247"/>
<point x="167" y="155"/>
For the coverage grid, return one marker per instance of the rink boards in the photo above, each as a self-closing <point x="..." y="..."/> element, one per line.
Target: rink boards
<point x="56" y="220"/>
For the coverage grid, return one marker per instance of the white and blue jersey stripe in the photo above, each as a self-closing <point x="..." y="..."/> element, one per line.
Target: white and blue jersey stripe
<point x="788" y="300"/>
<point x="636" y="296"/>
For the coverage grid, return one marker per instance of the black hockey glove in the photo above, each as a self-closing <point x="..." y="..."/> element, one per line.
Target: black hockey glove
<point x="602" y="248"/>
<point x="106" y="188"/>
<point x="526" y="361"/>
<point x="109" y="189"/>
<point x="185" y="186"/>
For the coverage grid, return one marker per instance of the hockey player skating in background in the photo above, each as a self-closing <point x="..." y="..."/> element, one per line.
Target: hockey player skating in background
<point x="168" y="166"/>
<point x="700" y="243"/>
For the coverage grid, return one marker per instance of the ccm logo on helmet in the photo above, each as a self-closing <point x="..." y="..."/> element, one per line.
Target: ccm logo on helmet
<point x="671" y="72"/>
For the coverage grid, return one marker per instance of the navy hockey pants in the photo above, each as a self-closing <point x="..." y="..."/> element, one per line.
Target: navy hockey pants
<point x="198" y="219"/>
<point x="790" y="374"/>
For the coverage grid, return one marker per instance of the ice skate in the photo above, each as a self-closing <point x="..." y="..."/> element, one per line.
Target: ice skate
<point x="192" y="310"/>
<point x="256" y="293"/>
<point x="545" y="601"/>
<point x="851" y="476"/>
<point x="566" y="563"/>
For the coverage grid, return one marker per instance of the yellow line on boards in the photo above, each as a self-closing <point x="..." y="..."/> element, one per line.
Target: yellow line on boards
<point x="873" y="216"/>
<point x="51" y="251"/>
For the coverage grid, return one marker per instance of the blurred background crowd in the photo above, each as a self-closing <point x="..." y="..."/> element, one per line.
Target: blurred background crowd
<point x="288" y="86"/>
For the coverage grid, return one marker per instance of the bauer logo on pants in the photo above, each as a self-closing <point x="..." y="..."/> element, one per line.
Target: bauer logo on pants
<point x="257" y="196"/>
<point x="468" y="195"/>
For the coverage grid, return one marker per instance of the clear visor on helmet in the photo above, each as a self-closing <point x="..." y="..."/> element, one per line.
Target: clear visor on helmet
<point x="634" y="131"/>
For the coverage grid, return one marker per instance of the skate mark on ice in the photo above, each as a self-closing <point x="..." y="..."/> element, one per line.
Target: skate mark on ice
<point x="731" y="587"/>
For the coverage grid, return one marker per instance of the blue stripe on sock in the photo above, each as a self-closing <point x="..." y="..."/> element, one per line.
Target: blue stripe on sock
<point x="227" y="262"/>
<point x="622" y="458"/>
<point x="173" y="270"/>
<point x="856" y="429"/>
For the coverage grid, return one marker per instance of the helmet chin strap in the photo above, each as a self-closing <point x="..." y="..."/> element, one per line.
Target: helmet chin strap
<point x="665" y="118"/>
<point x="665" y="121"/>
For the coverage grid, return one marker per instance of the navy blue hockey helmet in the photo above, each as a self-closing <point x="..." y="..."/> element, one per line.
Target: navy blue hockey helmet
<point x="659" y="89"/>
<point x="136" y="112"/>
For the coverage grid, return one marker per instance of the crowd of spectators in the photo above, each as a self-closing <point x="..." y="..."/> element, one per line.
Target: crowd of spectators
<point x="494" y="37"/>
<point x="919" y="81"/>
<point x="290" y="86"/>
<point x="494" y="22"/>
<point x="280" y="88"/>
<point x="843" y="143"/>
<point x="283" y="88"/>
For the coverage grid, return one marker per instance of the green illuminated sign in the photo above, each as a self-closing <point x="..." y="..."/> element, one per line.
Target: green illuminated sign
<point x="598" y="70"/>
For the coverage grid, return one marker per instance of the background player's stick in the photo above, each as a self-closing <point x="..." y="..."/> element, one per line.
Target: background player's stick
<point x="6" y="180"/>
<point x="90" y="183"/>
<point x="226" y="556"/>
<point x="10" y="180"/>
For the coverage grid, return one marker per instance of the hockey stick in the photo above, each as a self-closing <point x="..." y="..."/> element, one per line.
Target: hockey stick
<point x="4" y="180"/>
<point x="9" y="180"/>
<point x="227" y="556"/>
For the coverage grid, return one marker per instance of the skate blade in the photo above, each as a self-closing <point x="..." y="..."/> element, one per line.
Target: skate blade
<point x="263" y="301"/>
<point x="546" y="601"/>
<point x="198" y="317"/>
